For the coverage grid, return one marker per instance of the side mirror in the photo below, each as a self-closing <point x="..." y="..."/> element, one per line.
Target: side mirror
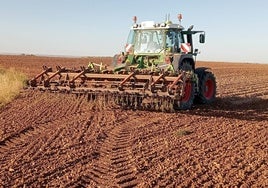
<point x="202" y="38"/>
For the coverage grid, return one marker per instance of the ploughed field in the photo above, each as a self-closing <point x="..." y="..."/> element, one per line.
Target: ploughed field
<point x="49" y="139"/>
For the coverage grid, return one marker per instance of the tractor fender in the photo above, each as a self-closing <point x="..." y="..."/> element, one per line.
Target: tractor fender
<point x="179" y="59"/>
<point x="200" y="70"/>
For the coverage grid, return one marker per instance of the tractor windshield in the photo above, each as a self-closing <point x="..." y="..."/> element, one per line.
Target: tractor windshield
<point x="149" y="41"/>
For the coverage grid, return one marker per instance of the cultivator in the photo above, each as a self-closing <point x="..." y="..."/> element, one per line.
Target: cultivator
<point x="137" y="89"/>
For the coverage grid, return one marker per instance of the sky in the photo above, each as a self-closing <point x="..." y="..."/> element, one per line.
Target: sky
<point x="236" y="30"/>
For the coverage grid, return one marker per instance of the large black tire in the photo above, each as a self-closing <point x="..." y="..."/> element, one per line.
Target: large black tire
<point x="188" y="98"/>
<point x="207" y="87"/>
<point x="186" y="66"/>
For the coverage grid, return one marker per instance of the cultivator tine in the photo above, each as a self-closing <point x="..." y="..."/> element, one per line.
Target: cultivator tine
<point x="170" y="105"/>
<point x="162" y="107"/>
<point x="108" y="99"/>
<point x="105" y="99"/>
<point x="165" y="104"/>
<point x="158" y="104"/>
<point x="115" y="98"/>
<point x="126" y="100"/>
<point x="136" y="101"/>
<point x="121" y="100"/>
<point x="89" y="97"/>
<point x="151" y="104"/>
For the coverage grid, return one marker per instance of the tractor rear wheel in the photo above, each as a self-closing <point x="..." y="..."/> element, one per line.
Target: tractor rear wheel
<point x="187" y="99"/>
<point x="207" y="88"/>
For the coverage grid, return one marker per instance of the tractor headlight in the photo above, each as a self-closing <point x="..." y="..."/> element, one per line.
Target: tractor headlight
<point x="163" y="25"/>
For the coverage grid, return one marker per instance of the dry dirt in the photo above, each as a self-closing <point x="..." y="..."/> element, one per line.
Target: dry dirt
<point x="58" y="140"/>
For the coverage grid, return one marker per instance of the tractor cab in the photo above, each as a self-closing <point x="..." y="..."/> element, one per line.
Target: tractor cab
<point x="153" y="44"/>
<point x="155" y="41"/>
<point x="150" y="38"/>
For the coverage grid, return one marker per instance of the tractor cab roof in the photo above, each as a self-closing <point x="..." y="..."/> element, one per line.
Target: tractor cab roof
<point x="153" y="25"/>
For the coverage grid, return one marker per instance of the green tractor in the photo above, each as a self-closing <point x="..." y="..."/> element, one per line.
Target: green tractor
<point x="168" y="47"/>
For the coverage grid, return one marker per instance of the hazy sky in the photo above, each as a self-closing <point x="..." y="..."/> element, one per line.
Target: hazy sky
<point x="236" y="30"/>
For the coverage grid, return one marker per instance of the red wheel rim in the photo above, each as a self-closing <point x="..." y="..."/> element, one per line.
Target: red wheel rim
<point x="187" y="92"/>
<point x="209" y="89"/>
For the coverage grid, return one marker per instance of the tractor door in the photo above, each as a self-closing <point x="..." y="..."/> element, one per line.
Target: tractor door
<point x="173" y="41"/>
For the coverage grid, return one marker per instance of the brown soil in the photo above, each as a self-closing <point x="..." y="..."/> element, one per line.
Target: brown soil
<point x="58" y="140"/>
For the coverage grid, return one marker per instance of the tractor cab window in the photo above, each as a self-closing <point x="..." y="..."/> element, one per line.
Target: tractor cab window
<point x="148" y="41"/>
<point x="130" y="38"/>
<point x="173" y="40"/>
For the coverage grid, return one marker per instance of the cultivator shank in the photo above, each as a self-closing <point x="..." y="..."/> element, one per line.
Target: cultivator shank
<point x="138" y="89"/>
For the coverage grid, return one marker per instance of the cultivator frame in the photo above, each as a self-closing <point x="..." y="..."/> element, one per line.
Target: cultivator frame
<point x="137" y="88"/>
